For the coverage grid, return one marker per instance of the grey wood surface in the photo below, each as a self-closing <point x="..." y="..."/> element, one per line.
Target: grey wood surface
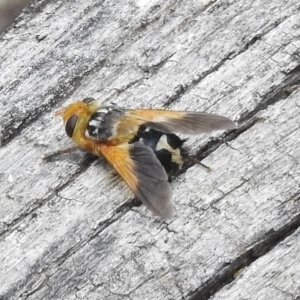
<point x="66" y="229"/>
<point x="9" y="11"/>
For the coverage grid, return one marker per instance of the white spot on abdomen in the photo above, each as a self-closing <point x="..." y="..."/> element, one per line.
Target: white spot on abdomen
<point x="163" y="144"/>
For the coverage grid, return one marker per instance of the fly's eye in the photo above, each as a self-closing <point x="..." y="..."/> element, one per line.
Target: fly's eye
<point x="88" y="100"/>
<point x="70" y="125"/>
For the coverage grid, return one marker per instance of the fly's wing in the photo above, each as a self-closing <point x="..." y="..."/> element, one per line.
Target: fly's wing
<point x="186" y="122"/>
<point x="144" y="174"/>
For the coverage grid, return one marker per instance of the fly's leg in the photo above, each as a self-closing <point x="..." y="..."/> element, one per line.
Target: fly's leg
<point x="51" y="156"/>
<point x="192" y="160"/>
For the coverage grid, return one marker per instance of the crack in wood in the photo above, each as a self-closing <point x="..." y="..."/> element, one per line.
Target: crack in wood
<point x="59" y="261"/>
<point x="249" y="119"/>
<point x="10" y="132"/>
<point x="277" y="94"/>
<point x="35" y="206"/>
<point x="181" y="89"/>
<point x="227" y="274"/>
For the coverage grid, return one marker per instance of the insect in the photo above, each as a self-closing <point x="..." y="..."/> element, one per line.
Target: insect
<point x="139" y="144"/>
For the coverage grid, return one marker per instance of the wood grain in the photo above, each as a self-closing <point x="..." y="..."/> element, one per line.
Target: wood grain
<point x="66" y="229"/>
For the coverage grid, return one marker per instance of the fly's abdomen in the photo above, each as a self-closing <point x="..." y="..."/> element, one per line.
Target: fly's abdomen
<point x="166" y="146"/>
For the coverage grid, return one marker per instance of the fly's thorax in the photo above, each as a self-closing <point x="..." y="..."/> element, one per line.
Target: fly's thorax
<point x="104" y="123"/>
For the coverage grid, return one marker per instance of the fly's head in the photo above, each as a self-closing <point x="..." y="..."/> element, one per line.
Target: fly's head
<point x="77" y="116"/>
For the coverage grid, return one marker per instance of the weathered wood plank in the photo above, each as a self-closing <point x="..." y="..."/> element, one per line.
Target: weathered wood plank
<point x="9" y="11"/>
<point x="65" y="232"/>
<point x="274" y="276"/>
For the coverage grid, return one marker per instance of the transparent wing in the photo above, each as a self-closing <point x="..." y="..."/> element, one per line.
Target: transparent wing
<point x="180" y="121"/>
<point x="144" y="174"/>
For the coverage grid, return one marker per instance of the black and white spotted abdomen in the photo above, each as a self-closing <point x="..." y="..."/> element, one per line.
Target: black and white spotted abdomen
<point x="166" y="146"/>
